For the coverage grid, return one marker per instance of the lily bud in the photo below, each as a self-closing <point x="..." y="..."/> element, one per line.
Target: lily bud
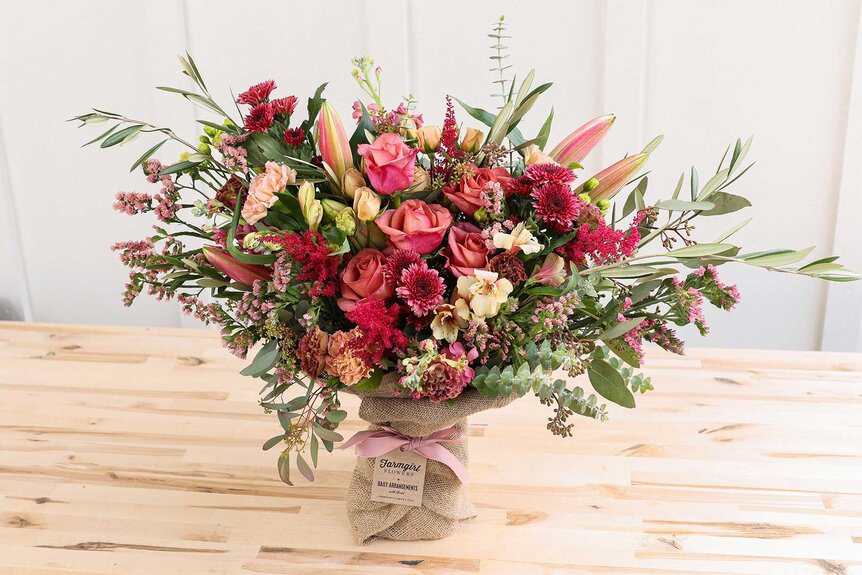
<point x="421" y="180"/>
<point x="428" y="138"/>
<point x="351" y="181"/>
<point x="612" y="179"/>
<point x="472" y="140"/>
<point x="575" y="147"/>
<point x="366" y="204"/>
<point x="235" y="270"/>
<point x="313" y="214"/>
<point x="332" y="140"/>
<point x="305" y="195"/>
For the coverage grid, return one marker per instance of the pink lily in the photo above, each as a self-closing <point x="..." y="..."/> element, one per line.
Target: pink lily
<point x="605" y="184"/>
<point x="575" y="147"/>
<point x="332" y="140"/>
<point x="235" y="270"/>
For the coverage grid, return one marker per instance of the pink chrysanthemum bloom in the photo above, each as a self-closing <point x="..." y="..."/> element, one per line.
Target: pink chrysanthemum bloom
<point x="283" y="105"/>
<point x="399" y="261"/>
<point x="421" y="288"/>
<point x="260" y="118"/>
<point x="557" y="206"/>
<point x="536" y="175"/>
<point x="257" y="93"/>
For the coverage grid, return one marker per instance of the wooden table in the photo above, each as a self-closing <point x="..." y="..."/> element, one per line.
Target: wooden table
<point x="138" y="451"/>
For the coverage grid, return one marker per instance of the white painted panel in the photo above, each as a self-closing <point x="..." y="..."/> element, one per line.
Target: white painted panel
<point x="79" y="55"/>
<point x="778" y="69"/>
<point x="699" y="71"/>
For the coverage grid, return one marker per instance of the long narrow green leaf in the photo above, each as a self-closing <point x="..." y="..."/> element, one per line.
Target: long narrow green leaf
<point x="146" y="155"/>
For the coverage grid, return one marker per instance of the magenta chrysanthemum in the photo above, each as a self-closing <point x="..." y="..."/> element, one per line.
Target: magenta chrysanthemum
<point x="257" y="93"/>
<point x="399" y="261"/>
<point x="421" y="288"/>
<point x="540" y="174"/>
<point x="557" y="206"/>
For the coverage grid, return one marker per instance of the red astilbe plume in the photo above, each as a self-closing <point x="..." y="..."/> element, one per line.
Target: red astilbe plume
<point x="310" y="251"/>
<point x="603" y="244"/>
<point x="452" y="153"/>
<point x="260" y="118"/>
<point x="557" y="206"/>
<point x="257" y="93"/>
<point x="378" y="332"/>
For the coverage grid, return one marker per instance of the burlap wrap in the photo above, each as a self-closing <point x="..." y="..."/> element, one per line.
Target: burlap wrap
<point x="444" y="501"/>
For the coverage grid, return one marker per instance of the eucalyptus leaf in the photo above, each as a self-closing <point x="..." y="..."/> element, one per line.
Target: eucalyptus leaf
<point x="609" y="383"/>
<point x="284" y="466"/>
<point x="725" y="203"/>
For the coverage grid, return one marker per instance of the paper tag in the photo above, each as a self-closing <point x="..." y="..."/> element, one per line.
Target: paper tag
<point x="399" y="477"/>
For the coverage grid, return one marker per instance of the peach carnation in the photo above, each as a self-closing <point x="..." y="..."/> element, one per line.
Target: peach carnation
<point x="342" y="362"/>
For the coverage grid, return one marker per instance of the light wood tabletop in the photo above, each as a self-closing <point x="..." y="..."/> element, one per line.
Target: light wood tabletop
<point x="130" y="450"/>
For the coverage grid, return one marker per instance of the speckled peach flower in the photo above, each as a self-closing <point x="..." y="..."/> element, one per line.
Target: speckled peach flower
<point x="340" y="360"/>
<point x="312" y="352"/>
<point x="262" y="190"/>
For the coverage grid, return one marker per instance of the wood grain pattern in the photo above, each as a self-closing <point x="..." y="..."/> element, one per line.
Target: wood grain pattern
<point x="129" y="450"/>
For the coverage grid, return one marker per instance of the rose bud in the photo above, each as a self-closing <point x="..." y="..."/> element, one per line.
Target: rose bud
<point x="351" y="181"/>
<point x="421" y="180"/>
<point x="388" y="163"/>
<point x="428" y="138"/>
<point x="472" y="140"/>
<point x="366" y="204"/>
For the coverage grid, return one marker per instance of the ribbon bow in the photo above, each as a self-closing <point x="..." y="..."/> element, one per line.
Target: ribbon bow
<point x="376" y="442"/>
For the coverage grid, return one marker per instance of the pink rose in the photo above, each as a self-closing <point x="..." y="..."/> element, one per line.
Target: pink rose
<point x="363" y="278"/>
<point x="468" y="193"/>
<point x="466" y="250"/>
<point x="262" y="190"/>
<point x="389" y="163"/>
<point x="415" y="225"/>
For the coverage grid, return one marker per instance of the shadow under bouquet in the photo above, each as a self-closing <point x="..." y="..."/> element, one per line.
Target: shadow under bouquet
<point x="433" y="271"/>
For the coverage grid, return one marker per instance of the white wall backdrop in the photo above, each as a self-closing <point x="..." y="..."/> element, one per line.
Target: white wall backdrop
<point x="700" y="72"/>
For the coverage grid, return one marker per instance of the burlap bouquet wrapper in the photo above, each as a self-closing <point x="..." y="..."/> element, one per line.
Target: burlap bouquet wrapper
<point x="445" y="503"/>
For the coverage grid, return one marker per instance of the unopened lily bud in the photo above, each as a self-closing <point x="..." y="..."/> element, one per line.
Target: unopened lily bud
<point x="345" y="221"/>
<point x="421" y="180"/>
<point x="428" y="138"/>
<point x="472" y="140"/>
<point x="305" y="195"/>
<point x="366" y="204"/>
<point x="351" y="181"/>
<point x="313" y="214"/>
<point x="575" y="147"/>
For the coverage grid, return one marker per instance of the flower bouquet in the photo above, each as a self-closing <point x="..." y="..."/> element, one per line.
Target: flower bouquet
<point x="432" y="271"/>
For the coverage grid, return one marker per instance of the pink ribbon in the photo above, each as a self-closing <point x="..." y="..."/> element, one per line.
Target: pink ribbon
<point x="376" y="442"/>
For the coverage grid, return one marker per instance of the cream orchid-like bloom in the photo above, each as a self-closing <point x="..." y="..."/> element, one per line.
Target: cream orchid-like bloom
<point x="446" y="322"/>
<point x="552" y="271"/>
<point x="485" y="292"/>
<point x="520" y="237"/>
